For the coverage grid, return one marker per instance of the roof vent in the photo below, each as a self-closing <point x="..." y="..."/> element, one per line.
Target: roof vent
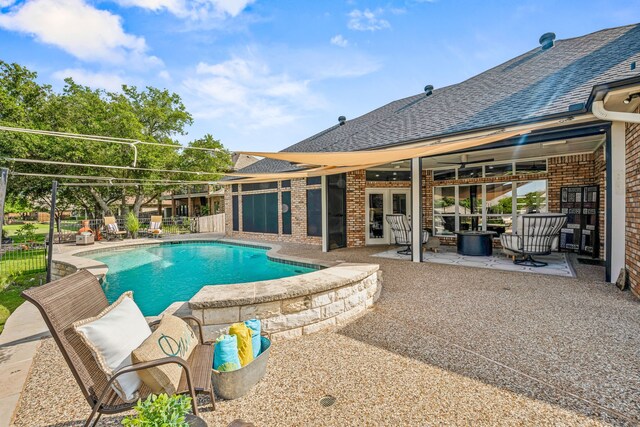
<point x="428" y="90"/>
<point x="547" y="40"/>
<point x="342" y="120"/>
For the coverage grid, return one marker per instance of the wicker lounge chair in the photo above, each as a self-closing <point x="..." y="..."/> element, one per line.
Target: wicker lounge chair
<point x="111" y="228"/>
<point x="401" y="230"/>
<point x="536" y="234"/>
<point x="80" y="296"/>
<point x="155" y="226"/>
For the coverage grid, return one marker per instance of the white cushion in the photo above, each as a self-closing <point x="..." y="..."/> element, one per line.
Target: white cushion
<point x="154" y="225"/>
<point x="112" y="336"/>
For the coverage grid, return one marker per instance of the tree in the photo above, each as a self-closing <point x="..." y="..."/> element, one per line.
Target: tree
<point x="149" y="115"/>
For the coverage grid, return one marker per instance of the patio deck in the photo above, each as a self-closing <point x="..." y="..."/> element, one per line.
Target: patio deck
<point x="444" y="345"/>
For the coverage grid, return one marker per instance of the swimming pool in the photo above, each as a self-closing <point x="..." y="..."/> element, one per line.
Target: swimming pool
<point x="162" y="274"/>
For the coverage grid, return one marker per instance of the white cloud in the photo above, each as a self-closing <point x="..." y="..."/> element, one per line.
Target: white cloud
<point x="109" y="81"/>
<point x="246" y="93"/>
<point x="338" y="40"/>
<point x="192" y="9"/>
<point x="164" y="75"/>
<point x="367" y="20"/>
<point x="78" y="28"/>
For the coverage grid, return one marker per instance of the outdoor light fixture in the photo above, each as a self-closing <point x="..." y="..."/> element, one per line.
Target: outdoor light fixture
<point x="631" y="97"/>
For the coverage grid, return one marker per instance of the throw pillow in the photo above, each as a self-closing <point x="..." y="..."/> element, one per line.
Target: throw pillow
<point x="174" y="337"/>
<point x="111" y="336"/>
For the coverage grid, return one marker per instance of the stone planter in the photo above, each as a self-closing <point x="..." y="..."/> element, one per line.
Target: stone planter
<point x="195" y="421"/>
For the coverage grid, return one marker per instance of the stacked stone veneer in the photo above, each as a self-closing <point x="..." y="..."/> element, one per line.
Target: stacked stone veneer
<point x="61" y="269"/>
<point x="632" y="231"/>
<point x="292" y="306"/>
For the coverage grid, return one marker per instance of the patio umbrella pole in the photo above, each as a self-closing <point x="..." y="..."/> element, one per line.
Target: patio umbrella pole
<point x="52" y="220"/>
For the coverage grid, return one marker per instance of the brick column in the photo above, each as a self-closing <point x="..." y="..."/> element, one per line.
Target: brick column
<point x="632" y="230"/>
<point x="356" y="183"/>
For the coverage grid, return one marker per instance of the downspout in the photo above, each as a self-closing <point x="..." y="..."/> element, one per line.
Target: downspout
<point x="613" y="116"/>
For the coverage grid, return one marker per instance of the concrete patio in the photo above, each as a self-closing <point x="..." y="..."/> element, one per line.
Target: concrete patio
<point x="444" y="345"/>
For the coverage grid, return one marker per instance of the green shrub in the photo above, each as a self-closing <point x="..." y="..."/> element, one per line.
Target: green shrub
<point x="160" y="411"/>
<point x="26" y="233"/>
<point x="4" y="315"/>
<point x="132" y="224"/>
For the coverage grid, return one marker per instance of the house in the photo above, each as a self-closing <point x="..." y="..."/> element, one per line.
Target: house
<point x="201" y="199"/>
<point x="555" y="126"/>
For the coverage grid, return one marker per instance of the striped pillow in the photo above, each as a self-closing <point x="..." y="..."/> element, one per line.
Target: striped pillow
<point x="113" y="228"/>
<point x="154" y="225"/>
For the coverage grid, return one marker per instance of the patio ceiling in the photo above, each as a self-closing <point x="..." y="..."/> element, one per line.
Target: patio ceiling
<point x="561" y="147"/>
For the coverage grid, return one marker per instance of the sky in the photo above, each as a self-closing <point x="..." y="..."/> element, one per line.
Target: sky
<point x="264" y="74"/>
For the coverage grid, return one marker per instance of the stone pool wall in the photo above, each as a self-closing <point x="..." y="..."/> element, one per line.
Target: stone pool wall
<point x="292" y="306"/>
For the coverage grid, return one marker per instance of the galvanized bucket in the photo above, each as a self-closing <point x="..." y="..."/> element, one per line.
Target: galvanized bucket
<point x="234" y="384"/>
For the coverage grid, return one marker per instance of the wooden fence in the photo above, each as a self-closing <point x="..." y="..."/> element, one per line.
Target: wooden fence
<point x="211" y="224"/>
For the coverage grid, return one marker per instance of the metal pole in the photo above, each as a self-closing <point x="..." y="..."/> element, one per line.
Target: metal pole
<point x="4" y="175"/>
<point x="52" y="214"/>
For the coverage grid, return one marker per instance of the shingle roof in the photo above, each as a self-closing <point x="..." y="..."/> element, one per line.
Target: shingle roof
<point x="533" y="85"/>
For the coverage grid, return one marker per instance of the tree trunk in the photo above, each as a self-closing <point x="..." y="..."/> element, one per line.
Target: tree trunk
<point x="101" y="202"/>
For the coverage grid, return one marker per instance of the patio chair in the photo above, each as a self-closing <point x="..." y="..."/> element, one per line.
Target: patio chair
<point x="536" y="234"/>
<point x="80" y="296"/>
<point x="155" y="226"/>
<point x="401" y="230"/>
<point x="112" y="229"/>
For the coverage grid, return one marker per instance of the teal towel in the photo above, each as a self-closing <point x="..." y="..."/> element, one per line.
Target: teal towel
<point x="254" y="326"/>
<point x="226" y="354"/>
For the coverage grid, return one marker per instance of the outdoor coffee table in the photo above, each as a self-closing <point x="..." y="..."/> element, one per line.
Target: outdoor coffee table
<point x="475" y="243"/>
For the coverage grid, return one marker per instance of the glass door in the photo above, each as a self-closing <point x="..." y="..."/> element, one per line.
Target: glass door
<point x="375" y="210"/>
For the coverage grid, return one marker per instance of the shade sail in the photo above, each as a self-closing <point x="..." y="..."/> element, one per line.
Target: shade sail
<point x="361" y="158"/>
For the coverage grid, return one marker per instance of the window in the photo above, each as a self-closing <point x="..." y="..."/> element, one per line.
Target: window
<point x="499" y="207"/>
<point x="286" y="183"/>
<point x="491" y="207"/>
<point x="532" y="196"/>
<point x="531" y="166"/>
<point x="314" y="213"/>
<point x="444" y="174"/>
<point x="260" y="186"/>
<point x="316" y="180"/>
<point x="374" y="175"/>
<point x="470" y="172"/>
<point x="469" y="207"/>
<point x="286" y="212"/>
<point x="444" y="209"/>
<point x="234" y="214"/>
<point x="503" y="169"/>
<point x="260" y="213"/>
<point x="234" y="188"/>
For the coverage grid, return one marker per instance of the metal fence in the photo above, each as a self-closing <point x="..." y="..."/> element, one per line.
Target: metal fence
<point x="17" y="259"/>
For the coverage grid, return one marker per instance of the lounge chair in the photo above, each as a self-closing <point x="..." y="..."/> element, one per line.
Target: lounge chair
<point x="80" y="296"/>
<point x="111" y="228"/>
<point x="536" y="234"/>
<point x="401" y="230"/>
<point x="155" y="226"/>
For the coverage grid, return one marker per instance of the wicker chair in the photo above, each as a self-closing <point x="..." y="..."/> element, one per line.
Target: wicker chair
<point x="401" y="230"/>
<point x="111" y="228"/>
<point x="80" y="296"/>
<point x="536" y="234"/>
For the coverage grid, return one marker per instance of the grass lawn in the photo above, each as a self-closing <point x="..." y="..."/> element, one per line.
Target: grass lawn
<point x="10" y="298"/>
<point x="22" y="262"/>
<point x="40" y="231"/>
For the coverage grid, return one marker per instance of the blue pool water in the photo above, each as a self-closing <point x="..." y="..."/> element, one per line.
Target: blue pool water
<point x="160" y="275"/>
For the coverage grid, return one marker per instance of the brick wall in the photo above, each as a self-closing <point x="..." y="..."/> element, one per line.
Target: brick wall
<point x="632" y="232"/>
<point x="356" y="184"/>
<point x="566" y="171"/>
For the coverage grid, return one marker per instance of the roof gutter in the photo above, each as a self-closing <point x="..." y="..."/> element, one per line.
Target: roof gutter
<point x="613" y="116"/>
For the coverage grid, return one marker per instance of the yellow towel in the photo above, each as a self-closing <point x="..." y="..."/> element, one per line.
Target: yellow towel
<point x="245" y="350"/>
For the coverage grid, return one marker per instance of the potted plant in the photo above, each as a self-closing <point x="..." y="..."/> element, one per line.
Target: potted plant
<point x="164" y="411"/>
<point x="132" y="225"/>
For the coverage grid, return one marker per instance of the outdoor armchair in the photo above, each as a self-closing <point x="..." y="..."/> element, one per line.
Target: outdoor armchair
<point x="401" y="230"/>
<point x="155" y="226"/>
<point x="536" y="234"/>
<point x="111" y="228"/>
<point x="79" y="296"/>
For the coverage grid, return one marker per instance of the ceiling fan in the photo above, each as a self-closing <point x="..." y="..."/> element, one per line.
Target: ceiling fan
<point x="464" y="161"/>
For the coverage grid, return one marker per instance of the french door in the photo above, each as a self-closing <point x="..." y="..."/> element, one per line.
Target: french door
<point x="378" y="204"/>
